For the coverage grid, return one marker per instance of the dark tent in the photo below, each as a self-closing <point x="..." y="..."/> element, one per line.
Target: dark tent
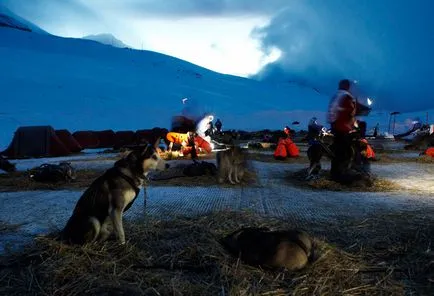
<point x="150" y="135"/>
<point x="159" y="132"/>
<point x="124" y="138"/>
<point x="68" y="140"/>
<point x="106" y="138"/>
<point x="35" y="141"/>
<point x="143" y="136"/>
<point x="86" y="139"/>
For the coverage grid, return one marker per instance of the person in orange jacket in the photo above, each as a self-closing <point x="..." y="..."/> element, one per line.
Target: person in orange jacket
<point x="368" y="152"/>
<point x="190" y="143"/>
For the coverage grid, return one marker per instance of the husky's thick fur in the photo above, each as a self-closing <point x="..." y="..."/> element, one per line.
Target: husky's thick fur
<point x="101" y="206"/>
<point x="231" y="165"/>
<point x="291" y="249"/>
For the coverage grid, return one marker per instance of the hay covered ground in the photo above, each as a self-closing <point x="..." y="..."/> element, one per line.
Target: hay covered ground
<point x="370" y="243"/>
<point x="20" y="181"/>
<point x="324" y="182"/>
<point x="181" y="256"/>
<point x="89" y="168"/>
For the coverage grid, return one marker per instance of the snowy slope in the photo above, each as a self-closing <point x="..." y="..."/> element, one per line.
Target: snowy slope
<point x="79" y="84"/>
<point x="11" y="20"/>
<point x="107" y="39"/>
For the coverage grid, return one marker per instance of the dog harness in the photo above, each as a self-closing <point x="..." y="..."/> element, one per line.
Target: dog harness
<point x="133" y="184"/>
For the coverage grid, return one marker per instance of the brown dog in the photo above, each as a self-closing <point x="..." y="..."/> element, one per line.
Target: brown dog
<point x="231" y="165"/>
<point x="291" y="249"/>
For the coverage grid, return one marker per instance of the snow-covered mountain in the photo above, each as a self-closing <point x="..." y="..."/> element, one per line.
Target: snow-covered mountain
<point x="107" y="39"/>
<point x="80" y="84"/>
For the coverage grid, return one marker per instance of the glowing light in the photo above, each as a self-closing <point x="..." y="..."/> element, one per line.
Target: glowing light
<point x="370" y="102"/>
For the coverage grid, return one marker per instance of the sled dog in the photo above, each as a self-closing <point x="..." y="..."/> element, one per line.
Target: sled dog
<point x="231" y="165"/>
<point x="101" y="206"/>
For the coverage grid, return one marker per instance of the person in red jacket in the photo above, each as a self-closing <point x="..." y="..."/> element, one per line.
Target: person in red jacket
<point x="342" y="109"/>
<point x="341" y="116"/>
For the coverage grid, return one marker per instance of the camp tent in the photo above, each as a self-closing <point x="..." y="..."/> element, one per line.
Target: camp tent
<point x="106" y="138"/>
<point x="124" y="138"/>
<point x="150" y="135"/>
<point x="35" y="141"/>
<point x="68" y="140"/>
<point x="86" y="139"/>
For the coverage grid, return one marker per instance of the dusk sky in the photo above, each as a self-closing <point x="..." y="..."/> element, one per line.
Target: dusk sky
<point x="387" y="45"/>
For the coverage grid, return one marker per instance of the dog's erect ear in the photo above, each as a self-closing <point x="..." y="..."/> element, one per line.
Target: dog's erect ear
<point x="157" y="142"/>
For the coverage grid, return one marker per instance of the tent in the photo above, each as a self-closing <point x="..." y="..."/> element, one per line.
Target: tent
<point x="286" y="148"/>
<point x="86" y="139"/>
<point x="68" y="140"/>
<point x="150" y="135"/>
<point x="106" y="138"/>
<point x="143" y="136"/>
<point x="124" y="138"/>
<point x="35" y="141"/>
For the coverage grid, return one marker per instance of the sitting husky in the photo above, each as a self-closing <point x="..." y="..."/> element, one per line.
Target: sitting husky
<point x="109" y="196"/>
<point x="291" y="249"/>
<point x="231" y="165"/>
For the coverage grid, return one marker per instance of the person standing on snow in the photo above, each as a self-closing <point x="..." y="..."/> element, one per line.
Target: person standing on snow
<point x="218" y="125"/>
<point x="341" y="116"/>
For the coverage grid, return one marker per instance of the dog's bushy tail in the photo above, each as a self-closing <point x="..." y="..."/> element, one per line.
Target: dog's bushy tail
<point x="313" y="256"/>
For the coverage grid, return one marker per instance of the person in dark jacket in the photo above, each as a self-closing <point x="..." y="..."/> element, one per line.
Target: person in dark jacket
<point x="218" y="126"/>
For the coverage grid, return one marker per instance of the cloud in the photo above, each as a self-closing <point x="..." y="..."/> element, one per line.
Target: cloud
<point x="386" y="45"/>
<point x="173" y="9"/>
<point x="51" y="11"/>
<point x="200" y="8"/>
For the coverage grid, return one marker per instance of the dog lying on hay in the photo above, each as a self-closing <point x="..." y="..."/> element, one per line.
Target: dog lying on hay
<point x="291" y="249"/>
<point x="231" y="165"/>
<point x="109" y="196"/>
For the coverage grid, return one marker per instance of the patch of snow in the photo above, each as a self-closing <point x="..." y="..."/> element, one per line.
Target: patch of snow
<point x="107" y="39"/>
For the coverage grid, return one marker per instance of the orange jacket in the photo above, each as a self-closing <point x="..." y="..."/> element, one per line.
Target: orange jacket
<point x="177" y="138"/>
<point x="370" y="154"/>
<point x="182" y="139"/>
<point x="430" y="151"/>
